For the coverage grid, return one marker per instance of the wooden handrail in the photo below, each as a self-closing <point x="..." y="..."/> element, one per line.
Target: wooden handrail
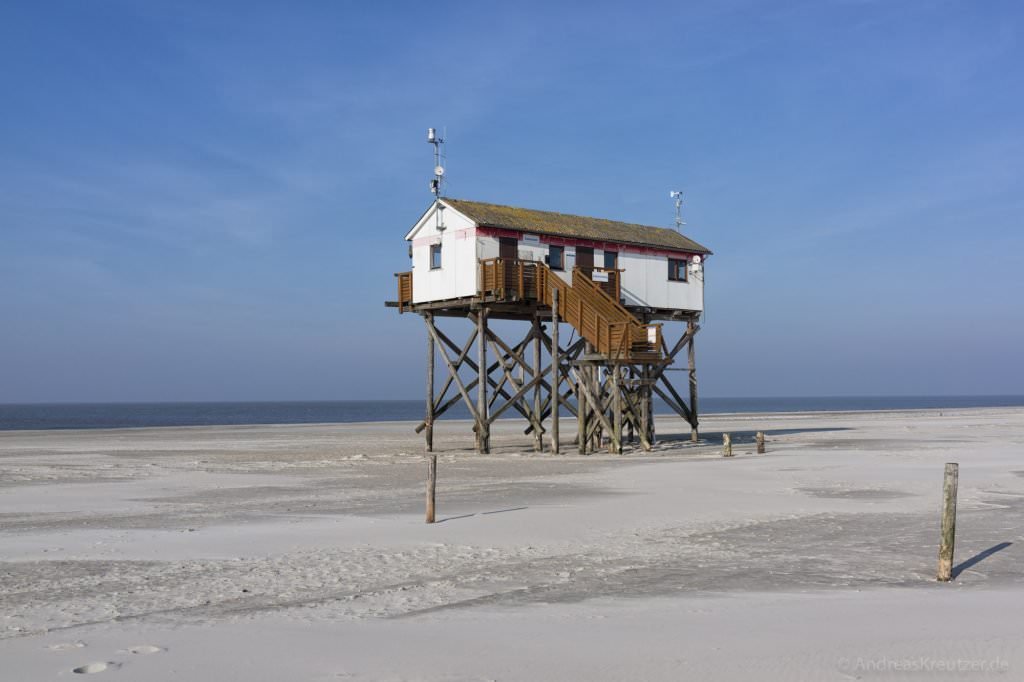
<point x="586" y="305"/>
<point x="404" y="291"/>
<point x="599" y="318"/>
<point x="612" y="287"/>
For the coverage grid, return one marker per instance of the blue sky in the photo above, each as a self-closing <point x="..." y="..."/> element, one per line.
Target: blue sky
<point x="206" y="201"/>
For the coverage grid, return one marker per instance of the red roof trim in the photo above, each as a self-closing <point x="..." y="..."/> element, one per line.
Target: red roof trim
<point x="619" y="247"/>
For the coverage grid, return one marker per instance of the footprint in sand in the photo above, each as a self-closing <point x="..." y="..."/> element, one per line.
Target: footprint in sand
<point x="98" y="667"/>
<point x="66" y="646"/>
<point x="143" y="649"/>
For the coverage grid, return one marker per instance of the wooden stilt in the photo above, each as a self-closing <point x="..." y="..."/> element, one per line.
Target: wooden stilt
<point x="631" y="425"/>
<point x="538" y="434"/>
<point x="645" y="409"/>
<point x="429" y="418"/>
<point x="691" y="328"/>
<point x="462" y="357"/>
<point x="453" y="374"/>
<point x="610" y="393"/>
<point x="645" y="395"/>
<point x="634" y="399"/>
<point x="556" y="371"/>
<point x="583" y="410"/>
<point x="652" y="423"/>
<point x="617" y="409"/>
<point x="483" y="428"/>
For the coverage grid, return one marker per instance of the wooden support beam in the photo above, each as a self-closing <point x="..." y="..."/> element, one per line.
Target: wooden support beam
<point x="563" y="403"/>
<point x="670" y="355"/>
<point x="455" y="376"/>
<point x="691" y="331"/>
<point x="676" y="407"/>
<point x="566" y="356"/>
<point x="483" y="435"/>
<point x="591" y="399"/>
<point x="605" y="400"/>
<point x="538" y="432"/>
<point x="581" y="404"/>
<point x="429" y="418"/>
<point x="460" y="358"/>
<point x="635" y="402"/>
<point x="517" y="352"/>
<point x="463" y="358"/>
<point x="643" y="390"/>
<point x="534" y="421"/>
<point x="617" y="409"/>
<point x="556" y="366"/>
<point x="516" y="396"/>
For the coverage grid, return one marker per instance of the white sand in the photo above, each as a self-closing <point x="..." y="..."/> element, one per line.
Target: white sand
<point x="300" y="552"/>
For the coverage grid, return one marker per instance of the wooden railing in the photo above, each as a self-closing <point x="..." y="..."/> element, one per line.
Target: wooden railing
<point x="630" y="337"/>
<point x="609" y="280"/>
<point x="594" y="311"/>
<point x="404" y="290"/>
<point x="509" y="279"/>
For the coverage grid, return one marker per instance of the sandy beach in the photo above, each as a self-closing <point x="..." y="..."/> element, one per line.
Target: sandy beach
<point x="300" y="553"/>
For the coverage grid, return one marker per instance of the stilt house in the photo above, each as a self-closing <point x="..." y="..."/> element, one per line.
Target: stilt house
<point x="615" y="283"/>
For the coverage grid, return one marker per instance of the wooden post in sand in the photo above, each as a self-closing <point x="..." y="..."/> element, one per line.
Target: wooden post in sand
<point x="759" y="439"/>
<point x="949" y="485"/>
<point x="431" y="486"/>
<point x="726" y="445"/>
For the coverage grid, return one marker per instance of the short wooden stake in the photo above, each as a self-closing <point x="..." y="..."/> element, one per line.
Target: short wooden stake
<point x="726" y="445"/>
<point x="949" y="485"/>
<point x="431" y="486"/>
<point x="759" y="439"/>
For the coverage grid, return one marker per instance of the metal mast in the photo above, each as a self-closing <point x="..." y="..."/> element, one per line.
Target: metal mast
<point x="436" y="182"/>
<point x="678" y="196"/>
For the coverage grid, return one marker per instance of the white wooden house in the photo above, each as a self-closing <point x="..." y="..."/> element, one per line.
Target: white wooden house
<point x="620" y="286"/>
<point x="659" y="269"/>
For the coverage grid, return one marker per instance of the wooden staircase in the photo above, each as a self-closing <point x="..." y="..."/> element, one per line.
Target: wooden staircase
<point x="598" y="317"/>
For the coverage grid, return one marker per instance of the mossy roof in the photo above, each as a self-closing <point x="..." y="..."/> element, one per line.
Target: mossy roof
<point x="565" y="225"/>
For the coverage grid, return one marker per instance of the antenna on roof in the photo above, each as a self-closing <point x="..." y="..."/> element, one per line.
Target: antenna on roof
<point x="678" y="196"/>
<point x="436" y="140"/>
<point x="435" y="183"/>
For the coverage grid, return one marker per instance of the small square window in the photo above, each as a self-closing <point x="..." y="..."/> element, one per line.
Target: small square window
<point x="611" y="260"/>
<point x="677" y="270"/>
<point x="556" y="257"/>
<point x="435" y="256"/>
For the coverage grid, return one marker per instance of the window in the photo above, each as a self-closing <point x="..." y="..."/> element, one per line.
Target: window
<point x="611" y="260"/>
<point x="435" y="256"/>
<point x="556" y="257"/>
<point x="677" y="270"/>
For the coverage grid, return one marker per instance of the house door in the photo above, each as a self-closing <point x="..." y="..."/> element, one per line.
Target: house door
<point x="508" y="251"/>
<point x="585" y="259"/>
<point x="508" y="247"/>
